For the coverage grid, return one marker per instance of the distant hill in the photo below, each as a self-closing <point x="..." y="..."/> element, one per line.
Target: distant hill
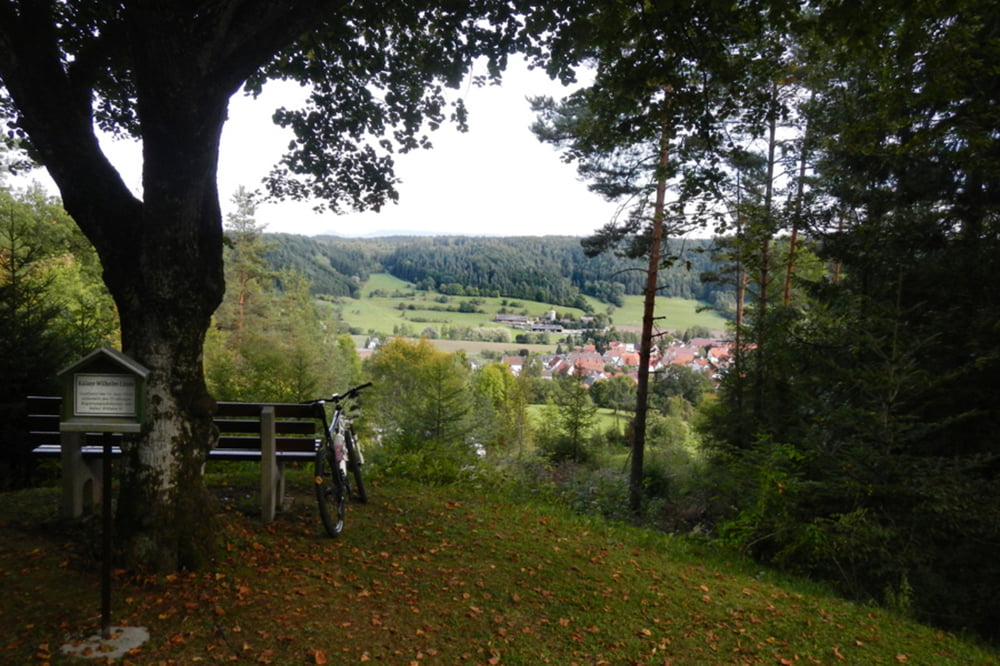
<point x="550" y="269"/>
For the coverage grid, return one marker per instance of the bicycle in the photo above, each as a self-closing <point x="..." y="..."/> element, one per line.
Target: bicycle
<point x="338" y="458"/>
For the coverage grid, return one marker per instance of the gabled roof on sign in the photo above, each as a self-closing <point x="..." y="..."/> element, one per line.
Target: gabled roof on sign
<point x="117" y="357"/>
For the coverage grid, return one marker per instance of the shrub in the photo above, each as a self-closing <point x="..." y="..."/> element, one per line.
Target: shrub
<point x="430" y="465"/>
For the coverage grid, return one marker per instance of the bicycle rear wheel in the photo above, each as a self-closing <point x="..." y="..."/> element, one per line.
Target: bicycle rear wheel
<point x="355" y="461"/>
<point x="331" y="491"/>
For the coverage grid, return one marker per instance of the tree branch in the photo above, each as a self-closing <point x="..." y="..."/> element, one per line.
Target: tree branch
<point x="245" y="34"/>
<point x="55" y="113"/>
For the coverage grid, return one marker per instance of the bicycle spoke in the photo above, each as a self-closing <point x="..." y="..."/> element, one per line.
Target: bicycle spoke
<point x="330" y="493"/>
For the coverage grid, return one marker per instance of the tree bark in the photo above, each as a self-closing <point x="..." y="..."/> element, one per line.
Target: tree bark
<point x="646" y="338"/>
<point x="741" y="289"/>
<point x="167" y="286"/>
<point x="765" y="231"/>
<point x="800" y="188"/>
<point x="162" y="256"/>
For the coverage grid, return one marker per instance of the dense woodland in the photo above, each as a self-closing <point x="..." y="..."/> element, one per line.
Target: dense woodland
<point x="549" y="269"/>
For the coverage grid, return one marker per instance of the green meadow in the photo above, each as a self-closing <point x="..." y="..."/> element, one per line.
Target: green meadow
<point x="388" y="305"/>
<point x="673" y="314"/>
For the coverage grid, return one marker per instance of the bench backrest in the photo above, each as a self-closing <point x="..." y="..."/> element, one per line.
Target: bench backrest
<point x="44" y="414"/>
<point x="239" y="425"/>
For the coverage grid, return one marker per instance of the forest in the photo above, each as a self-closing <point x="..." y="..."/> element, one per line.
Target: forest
<point x="549" y="269"/>
<point x="844" y="157"/>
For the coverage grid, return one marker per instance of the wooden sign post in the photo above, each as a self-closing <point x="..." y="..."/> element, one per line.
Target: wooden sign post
<point x="104" y="392"/>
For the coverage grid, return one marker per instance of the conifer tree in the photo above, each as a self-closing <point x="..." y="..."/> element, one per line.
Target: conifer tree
<point x="667" y="79"/>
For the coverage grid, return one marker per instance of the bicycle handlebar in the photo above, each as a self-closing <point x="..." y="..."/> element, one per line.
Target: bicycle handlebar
<point x="337" y="398"/>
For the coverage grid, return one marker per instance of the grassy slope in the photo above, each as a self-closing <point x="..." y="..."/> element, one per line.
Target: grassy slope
<point x="383" y="313"/>
<point x="436" y="576"/>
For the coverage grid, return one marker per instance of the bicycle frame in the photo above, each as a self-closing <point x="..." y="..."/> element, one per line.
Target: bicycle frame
<point x="335" y="432"/>
<point x="337" y="459"/>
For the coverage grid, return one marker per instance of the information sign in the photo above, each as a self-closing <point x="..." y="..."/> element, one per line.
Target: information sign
<point x="105" y="391"/>
<point x="104" y="395"/>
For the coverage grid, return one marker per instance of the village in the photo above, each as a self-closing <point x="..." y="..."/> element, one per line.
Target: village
<point x="709" y="356"/>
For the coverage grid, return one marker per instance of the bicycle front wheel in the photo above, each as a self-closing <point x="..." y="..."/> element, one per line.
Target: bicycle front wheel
<point x="355" y="461"/>
<point x="331" y="491"/>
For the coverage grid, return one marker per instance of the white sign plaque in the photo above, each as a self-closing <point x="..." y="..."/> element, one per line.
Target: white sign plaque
<point x="104" y="395"/>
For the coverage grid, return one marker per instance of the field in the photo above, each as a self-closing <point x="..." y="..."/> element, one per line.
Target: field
<point x="604" y="418"/>
<point x="390" y="306"/>
<point x="674" y="314"/>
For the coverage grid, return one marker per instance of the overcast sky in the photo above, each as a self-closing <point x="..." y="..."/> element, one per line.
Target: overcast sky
<point x="496" y="179"/>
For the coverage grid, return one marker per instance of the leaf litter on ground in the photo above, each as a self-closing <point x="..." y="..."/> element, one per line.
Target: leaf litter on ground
<point x="439" y="576"/>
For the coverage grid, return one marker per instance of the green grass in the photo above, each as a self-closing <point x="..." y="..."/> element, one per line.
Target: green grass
<point x="439" y="576"/>
<point x="607" y="418"/>
<point x="675" y="314"/>
<point x="604" y="418"/>
<point x="383" y="313"/>
<point x="385" y="282"/>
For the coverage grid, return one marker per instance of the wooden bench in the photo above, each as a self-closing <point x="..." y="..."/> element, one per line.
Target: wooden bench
<point x="272" y="433"/>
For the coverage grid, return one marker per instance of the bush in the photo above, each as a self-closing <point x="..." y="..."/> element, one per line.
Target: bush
<point x="602" y="491"/>
<point x="558" y="448"/>
<point x="430" y="465"/>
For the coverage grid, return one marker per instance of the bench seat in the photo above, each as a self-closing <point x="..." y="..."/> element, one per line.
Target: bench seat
<point x="271" y="433"/>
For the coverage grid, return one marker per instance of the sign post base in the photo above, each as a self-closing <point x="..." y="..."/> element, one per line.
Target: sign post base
<point x="121" y="641"/>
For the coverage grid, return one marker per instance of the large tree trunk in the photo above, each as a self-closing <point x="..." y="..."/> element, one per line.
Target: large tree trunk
<point x="167" y="280"/>
<point x="163" y="518"/>
<point x="162" y="260"/>
<point x="167" y="302"/>
<point x="166" y="307"/>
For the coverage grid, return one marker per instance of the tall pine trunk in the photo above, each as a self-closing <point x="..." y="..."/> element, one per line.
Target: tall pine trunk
<point x="800" y="188"/>
<point x="765" y="233"/>
<point x="646" y="340"/>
